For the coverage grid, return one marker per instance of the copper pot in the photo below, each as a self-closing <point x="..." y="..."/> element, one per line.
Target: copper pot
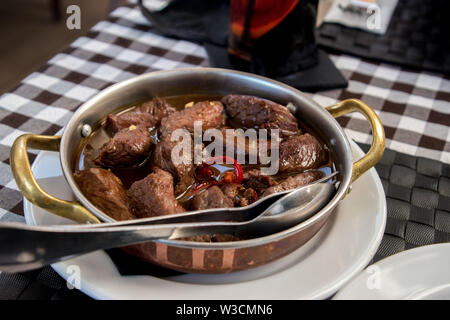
<point x="186" y="256"/>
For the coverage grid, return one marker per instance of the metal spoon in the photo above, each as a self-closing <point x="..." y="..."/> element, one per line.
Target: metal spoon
<point x="240" y="214"/>
<point x="25" y="247"/>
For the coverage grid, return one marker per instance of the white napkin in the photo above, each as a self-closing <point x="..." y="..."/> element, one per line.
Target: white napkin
<point x="378" y="22"/>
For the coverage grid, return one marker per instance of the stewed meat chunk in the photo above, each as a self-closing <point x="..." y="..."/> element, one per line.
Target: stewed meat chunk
<point x="243" y="147"/>
<point x="253" y="112"/>
<point x="301" y="152"/>
<point x="248" y="197"/>
<point x="257" y="181"/>
<point x="154" y="196"/>
<point x="292" y="182"/>
<point x="127" y="147"/>
<point x="211" y="198"/>
<point x="231" y="191"/>
<point x="183" y="172"/>
<point x="148" y="114"/>
<point x="210" y="113"/>
<point x="239" y="195"/>
<point x="105" y="191"/>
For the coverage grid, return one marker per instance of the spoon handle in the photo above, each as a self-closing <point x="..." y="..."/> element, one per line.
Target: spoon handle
<point x="25" y="247"/>
<point x="239" y="214"/>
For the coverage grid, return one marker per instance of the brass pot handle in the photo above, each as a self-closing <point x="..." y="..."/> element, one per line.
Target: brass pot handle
<point x="378" y="142"/>
<point x="21" y="169"/>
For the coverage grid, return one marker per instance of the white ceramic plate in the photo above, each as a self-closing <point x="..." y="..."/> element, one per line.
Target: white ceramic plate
<point x="420" y="273"/>
<point x="343" y="247"/>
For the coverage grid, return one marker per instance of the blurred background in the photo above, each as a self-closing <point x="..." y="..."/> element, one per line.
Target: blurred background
<point x="32" y="31"/>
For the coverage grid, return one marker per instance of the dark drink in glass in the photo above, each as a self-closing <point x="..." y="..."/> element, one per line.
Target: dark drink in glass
<point x="252" y="19"/>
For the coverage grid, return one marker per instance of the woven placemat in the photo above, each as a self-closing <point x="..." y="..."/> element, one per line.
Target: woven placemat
<point x="41" y="284"/>
<point x="418" y="214"/>
<point x="417" y="36"/>
<point x="418" y="202"/>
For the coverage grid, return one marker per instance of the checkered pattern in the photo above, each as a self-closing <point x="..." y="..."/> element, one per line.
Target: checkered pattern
<point x="117" y="49"/>
<point x="414" y="107"/>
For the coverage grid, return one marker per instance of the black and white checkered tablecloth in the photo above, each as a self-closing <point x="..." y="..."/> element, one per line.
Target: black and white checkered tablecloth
<point x="414" y="107"/>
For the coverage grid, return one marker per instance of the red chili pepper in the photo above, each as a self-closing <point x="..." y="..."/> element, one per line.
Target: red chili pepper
<point x="238" y="172"/>
<point x="203" y="171"/>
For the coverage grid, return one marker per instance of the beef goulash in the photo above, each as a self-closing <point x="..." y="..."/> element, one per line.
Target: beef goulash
<point x="125" y="167"/>
<point x="105" y="191"/>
